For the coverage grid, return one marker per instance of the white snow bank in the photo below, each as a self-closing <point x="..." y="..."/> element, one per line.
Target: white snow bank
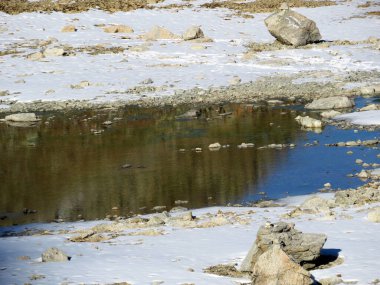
<point x="361" y="118"/>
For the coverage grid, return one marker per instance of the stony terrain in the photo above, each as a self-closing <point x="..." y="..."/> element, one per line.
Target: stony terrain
<point x="120" y="60"/>
<point x="61" y="55"/>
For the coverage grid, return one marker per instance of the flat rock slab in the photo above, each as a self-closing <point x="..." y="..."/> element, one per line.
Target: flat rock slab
<point x="335" y="102"/>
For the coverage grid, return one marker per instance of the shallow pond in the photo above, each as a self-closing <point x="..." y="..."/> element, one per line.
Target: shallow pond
<point x="69" y="166"/>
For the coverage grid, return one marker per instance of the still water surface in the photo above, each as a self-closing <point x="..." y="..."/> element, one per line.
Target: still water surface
<point x="63" y="170"/>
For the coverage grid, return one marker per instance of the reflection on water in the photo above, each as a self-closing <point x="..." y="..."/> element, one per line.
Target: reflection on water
<point x="61" y="169"/>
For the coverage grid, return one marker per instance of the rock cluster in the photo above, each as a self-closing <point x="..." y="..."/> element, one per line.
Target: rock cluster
<point x="356" y="143"/>
<point x="368" y="193"/>
<point x="308" y="122"/>
<point x="313" y="205"/>
<point x="303" y="249"/>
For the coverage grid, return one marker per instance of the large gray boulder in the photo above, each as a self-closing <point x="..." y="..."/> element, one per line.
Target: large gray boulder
<point x="335" y="102"/>
<point x="274" y="267"/>
<point x="292" y="28"/>
<point x="304" y="249"/>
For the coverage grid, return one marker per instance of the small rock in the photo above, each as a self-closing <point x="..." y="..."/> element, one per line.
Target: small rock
<point x="37" y="277"/>
<point x="327" y="185"/>
<point x="330" y="114"/>
<point x="234" y="80"/>
<point x="215" y="146"/>
<point x="363" y="174"/>
<point x="53" y="52"/>
<point x="159" y="33"/>
<point x="147" y="81"/>
<point x="198" y="47"/>
<point x="107" y="123"/>
<point x="69" y="29"/>
<point x="22" y="117"/>
<point x="24" y="257"/>
<point x="275" y="102"/>
<point x="308" y="122"/>
<point x="335" y="102"/>
<point x="35" y="56"/>
<point x="370" y="107"/>
<point x="351" y="143"/>
<point x="359" y="161"/>
<point x="246" y="145"/>
<point x="127" y="165"/>
<point x="331" y="281"/>
<point x="54" y="255"/>
<point x="118" y="29"/>
<point x="80" y="85"/>
<point x="159" y="208"/>
<point x="180" y="202"/>
<point x="374" y="215"/>
<point x="4" y="93"/>
<point x="192" y="33"/>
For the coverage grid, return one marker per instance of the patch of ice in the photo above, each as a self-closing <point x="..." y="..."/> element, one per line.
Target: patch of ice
<point x="361" y="118"/>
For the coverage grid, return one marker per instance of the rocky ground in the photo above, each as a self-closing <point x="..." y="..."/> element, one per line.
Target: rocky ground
<point x="120" y="60"/>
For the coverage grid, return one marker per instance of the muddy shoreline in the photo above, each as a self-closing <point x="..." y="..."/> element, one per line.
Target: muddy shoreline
<point x="284" y="88"/>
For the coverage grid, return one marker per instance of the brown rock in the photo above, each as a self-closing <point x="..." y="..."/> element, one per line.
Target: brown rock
<point x="69" y="29"/>
<point x="118" y="29"/>
<point x="274" y="267"/>
<point x="159" y="33"/>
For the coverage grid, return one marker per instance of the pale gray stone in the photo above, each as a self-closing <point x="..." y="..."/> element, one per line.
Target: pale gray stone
<point x="292" y="28"/>
<point x="22" y="117"/>
<point x="54" y="255"/>
<point x="302" y="248"/>
<point x="193" y="33"/>
<point x="335" y="102"/>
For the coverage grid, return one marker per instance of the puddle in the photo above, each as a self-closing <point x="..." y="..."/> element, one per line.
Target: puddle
<point x="70" y="165"/>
